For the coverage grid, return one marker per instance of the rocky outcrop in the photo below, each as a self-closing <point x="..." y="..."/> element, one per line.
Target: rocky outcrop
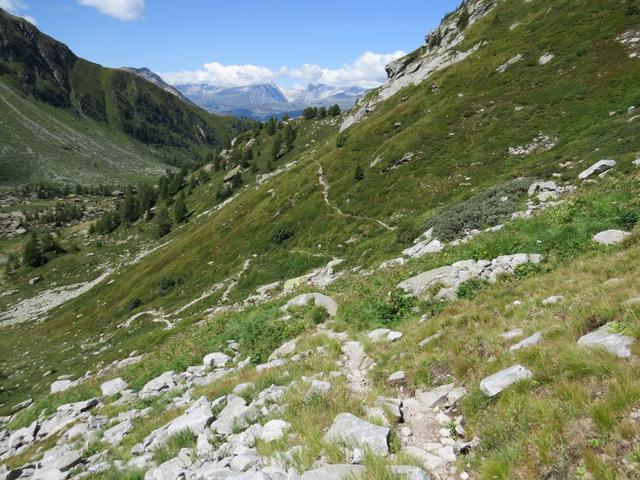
<point x="447" y="279"/>
<point x="600" y="168"/>
<point x="441" y="51"/>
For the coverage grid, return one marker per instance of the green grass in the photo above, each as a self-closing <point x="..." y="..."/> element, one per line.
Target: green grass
<point x="173" y="445"/>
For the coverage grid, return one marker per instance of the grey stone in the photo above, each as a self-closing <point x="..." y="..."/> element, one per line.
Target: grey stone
<point x="597" y="169"/>
<point x="615" y="343"/>
<point x="216" y="360"/>
<point x="499" y="381"/>
<point x="384" y="334"/>
<point x="332" y="472"/>
<point x="165" y="381"/>
<point x="170" y="470"/>
<point x="434" y="397"/>
<point x="610" y="237"/>
<point x="320" y="300"/>
<point x="527" y="342"/>
<point x="113" y="387"/>
<point x="229" y="414"/>
<point x="318" y="388"/>
<point x="115" y="435"/>
<point x="552" y="300"/>
<point x="397" y="378"/>
<point x="61" y="385"/>
<point x="274" y="430"/>
<point x="351" y="430"/>
<point x="518" y="332"/>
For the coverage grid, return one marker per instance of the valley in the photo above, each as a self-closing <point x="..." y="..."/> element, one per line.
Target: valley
<point x="440" y="283"/>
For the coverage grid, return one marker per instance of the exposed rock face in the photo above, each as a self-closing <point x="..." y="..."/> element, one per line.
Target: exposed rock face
<point x="496" y="383"/>
<point x="420" y="65"/>
<point x="453" y="275"/>
<point x="615" y="343"/>
<point x="597" y="169"/>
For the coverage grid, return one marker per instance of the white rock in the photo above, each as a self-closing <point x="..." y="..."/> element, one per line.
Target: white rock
<point x="216" y="360"/>
<point x="615" y="343"/>
<point x="518" y="332"/>
<point x="527" y="342"/>
<point x="552" y="300"/>
<point x="497" y="382"/>
<point x="113" y="387"/>
<point x="320" y="300"/>
<point x="611" y="237"/>
<point x="434" y="397"/>
<point x="597" y="169"/>
<point x="274" y="430"/>
<point x="115" y="435"/>
<point x="318" y="388"/>
<point x="61" y="386"/>
<point x="351" y="430"/>
<point x="546" y="58"/>
<point x="397" y="378"/>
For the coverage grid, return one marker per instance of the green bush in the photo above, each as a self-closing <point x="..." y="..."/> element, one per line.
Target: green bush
<point x="133" y="304"/>
<point x="281" y="233"/>
<point x="471" y="287"/>
<point x="166" y="284"/>
<point x="480" y="211"/>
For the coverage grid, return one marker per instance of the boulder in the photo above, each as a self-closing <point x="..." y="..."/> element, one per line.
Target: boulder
<point x="424" y="248"/>
<point x="527" y="342"/>
<point x="436" y="396"/>
<point x="161" y="383"/>
<point x="170" y="470"/>
<point x="226" y="419"/>
<point x="397" y="378"/>
<point x="115" y="435"/>
<point x="113" y="387"/>
<point x="384" y="334"/>
<point x="318" y="388"/>
<point x="610" y="237"/>
<point x="615" y="343"/>
<point x="351" y="430"/>
<point x="333" y="472"/>
<point x="274" y="430"/>
<point x="61" y="386"/>
<point x="320" y="300"/>
<point x="284" y="350"/>
<point x="597" y="169"/>
<point x="215" y="360"/>
<point x="496" y="383"/>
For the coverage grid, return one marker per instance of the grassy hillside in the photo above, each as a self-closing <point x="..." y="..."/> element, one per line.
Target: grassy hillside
<point x="572" y="420"/>
<point x="73" y="120"/>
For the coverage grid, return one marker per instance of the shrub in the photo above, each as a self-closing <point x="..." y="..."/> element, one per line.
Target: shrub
<point x="480" y="211"/>
<point x="341" y="139"/>
<point x="166" y="284"/>
<point x="281" y="233"/>
<point x="390" y="311"/>
<point x="133" y="304"/>
<point x="163" y="222"/>
<point x="471" y="287"/>
<point x="463" y="19"/>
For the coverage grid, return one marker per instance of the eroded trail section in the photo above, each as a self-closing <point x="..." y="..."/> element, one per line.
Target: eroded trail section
<point x="325" y="195"/>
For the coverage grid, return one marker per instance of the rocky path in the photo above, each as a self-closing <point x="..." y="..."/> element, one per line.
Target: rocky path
<point x="325" y="194"/>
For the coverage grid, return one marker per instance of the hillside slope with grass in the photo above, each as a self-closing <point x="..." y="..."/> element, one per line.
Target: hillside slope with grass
<point x="70" y="120"/>
<point x="439" y="284"/>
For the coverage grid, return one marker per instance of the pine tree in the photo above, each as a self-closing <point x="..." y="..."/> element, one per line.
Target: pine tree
<point x="322" y="112"/>
<point x="180" y="209"/>
<point x="32" y="253"/>
<point x="289" y="137"/>
<point x="334" y="110"/>
<point x="129" y="210"/>
<point x="271" y="126"/>
<point x="163" y="222"/>
<point x="276" y="147"/>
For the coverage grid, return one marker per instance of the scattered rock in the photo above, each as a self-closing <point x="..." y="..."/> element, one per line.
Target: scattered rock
<point x="597" y="169"/>
<point x="384" y="334"/>
<point x="496" y="383"/>
<point x="113" y="387"/>
<point x="320" y="300"/>
<point x="216" y="360"/>
<point x="351" y="430"/>
<point x="610" y="237"/>
<point x="615" y="343"/>
<point x="527" y="342"/>
<point x="397" y="378"/>
<point x="546" y="58"/>
<point x="552" y="300"/>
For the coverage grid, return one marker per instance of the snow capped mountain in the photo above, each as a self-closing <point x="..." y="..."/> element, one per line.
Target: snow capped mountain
<point x="267" y="100"/>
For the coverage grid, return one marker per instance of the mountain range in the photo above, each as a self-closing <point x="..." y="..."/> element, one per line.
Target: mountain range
<point x="69" y="119"/>
<point x="263" y="101"/>
<point x="440" y="284"/>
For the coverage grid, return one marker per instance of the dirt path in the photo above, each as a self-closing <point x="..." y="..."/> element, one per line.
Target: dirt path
<point x="325" y="194"/>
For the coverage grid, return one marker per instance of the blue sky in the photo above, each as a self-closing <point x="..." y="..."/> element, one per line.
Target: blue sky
<point x="289" y="42"/>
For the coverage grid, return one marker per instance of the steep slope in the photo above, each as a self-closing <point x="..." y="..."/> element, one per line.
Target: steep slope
<point x="532" y="103"/>
<point x="156" y="80"/>
<point x="72" y="119"/>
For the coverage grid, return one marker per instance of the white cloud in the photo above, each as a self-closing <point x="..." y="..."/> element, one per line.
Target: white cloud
<point x="124" y="10"/>
<point x="367" y="71"/>
<point x="17" y="8"/>
<point x="220" y="75"/>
